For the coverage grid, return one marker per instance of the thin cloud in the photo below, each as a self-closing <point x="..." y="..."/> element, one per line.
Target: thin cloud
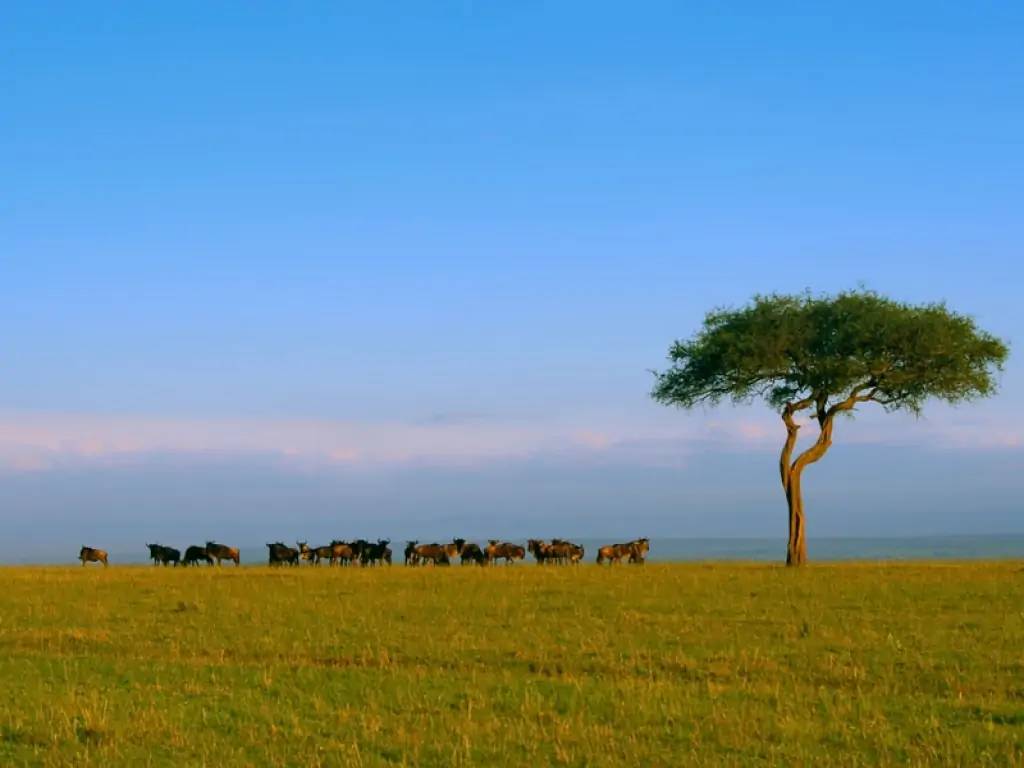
<point x="38" y="442"/>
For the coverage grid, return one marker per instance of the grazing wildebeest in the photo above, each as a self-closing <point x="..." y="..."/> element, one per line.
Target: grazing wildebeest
<point x="279" y="553"/>
<point x="496" y="550"/>
<point x="196" y="553"/>
<point x="471" y="553"/>
<point x="438" y="554"/>
<point x="92" y="555"/>
<point x="411" y="558"/>
<point x="375" y="554"/>
<point x="221" y="552"/>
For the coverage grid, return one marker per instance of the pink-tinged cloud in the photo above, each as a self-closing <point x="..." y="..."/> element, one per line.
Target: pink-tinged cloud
<point x="34" y="441"/>
<point x="37" y="442"/>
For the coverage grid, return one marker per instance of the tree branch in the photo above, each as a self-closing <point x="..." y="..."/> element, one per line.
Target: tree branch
<point x="791" y="434"/>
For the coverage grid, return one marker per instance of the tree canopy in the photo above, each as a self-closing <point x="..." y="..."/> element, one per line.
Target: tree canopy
<point x="858" y="344"/>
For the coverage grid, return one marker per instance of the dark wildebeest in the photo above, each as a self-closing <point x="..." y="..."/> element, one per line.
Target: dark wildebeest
<point x="375" y="554"/>
<point x="196" y="553"/>
<point x="438" y="554"/>
<point x="161" y="555"/>
<point x="496" y="550"/>
<point x="471" y="553"/>
<point x="359" y="547"/>
<point x="92" y="555"/>
<point x="222" y="552"/>
<point x="410" y="553"/>
<point x="279" y="553"/>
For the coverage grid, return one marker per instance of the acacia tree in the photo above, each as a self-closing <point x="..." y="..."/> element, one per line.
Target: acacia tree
<point x="828" y="355"/>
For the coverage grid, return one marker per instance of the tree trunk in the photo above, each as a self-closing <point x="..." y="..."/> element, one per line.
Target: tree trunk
<point x="796" y="549"/>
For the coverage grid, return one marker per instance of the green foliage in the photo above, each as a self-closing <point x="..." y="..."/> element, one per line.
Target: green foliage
<point x="665" y="665"/>
<point x="826" y="350"/>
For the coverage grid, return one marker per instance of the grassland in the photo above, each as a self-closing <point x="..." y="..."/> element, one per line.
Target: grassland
<point x="659" y="665"/>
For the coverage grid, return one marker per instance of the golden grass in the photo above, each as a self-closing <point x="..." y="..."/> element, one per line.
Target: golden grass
<point x="661" y="665"/>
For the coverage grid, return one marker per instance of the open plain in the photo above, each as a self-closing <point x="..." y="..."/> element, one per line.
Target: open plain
<point x="665" y="664"/>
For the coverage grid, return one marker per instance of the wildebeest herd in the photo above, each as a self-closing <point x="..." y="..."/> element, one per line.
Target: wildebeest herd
<point x="366" y="553"/>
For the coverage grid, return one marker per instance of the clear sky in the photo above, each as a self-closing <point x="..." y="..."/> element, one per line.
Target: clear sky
<point x="279" y="270"/>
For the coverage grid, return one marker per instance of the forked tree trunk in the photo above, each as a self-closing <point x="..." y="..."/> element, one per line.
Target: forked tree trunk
<point x="791" y="471"/>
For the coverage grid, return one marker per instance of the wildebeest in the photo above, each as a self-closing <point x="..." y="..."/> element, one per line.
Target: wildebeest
<point x="612" y="553"/>
<point x="344" y="552"/>
<point x="559" y="551"/>
<point x="161" y="555"/>
<point x="496" y="550"/>
<point x="196" y="553"/>
<point x="92" y="555"/>
<point x="279" y="553"/>
<point x="638" y="550"/>
<point x="438" y="554"/>
<point x="566" y="552"/>
<point x="374" y="554"/>
<point x="470" y="552"/>
<point x="325" y="552"/>
<point x="635" y="550"/>
<point x="358" y="548"/>
<point x="305" y="553"/>
<point x="221" y="552"/>
<point x="538" y="549"/>
<point x="335" y="553"/>
<point x="411" y="558"/>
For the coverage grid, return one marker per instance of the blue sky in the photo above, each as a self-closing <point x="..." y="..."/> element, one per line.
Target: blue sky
<point x="414" y="262"/>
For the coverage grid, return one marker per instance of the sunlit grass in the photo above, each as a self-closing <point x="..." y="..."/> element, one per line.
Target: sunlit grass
<point x="659" y="665"/>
